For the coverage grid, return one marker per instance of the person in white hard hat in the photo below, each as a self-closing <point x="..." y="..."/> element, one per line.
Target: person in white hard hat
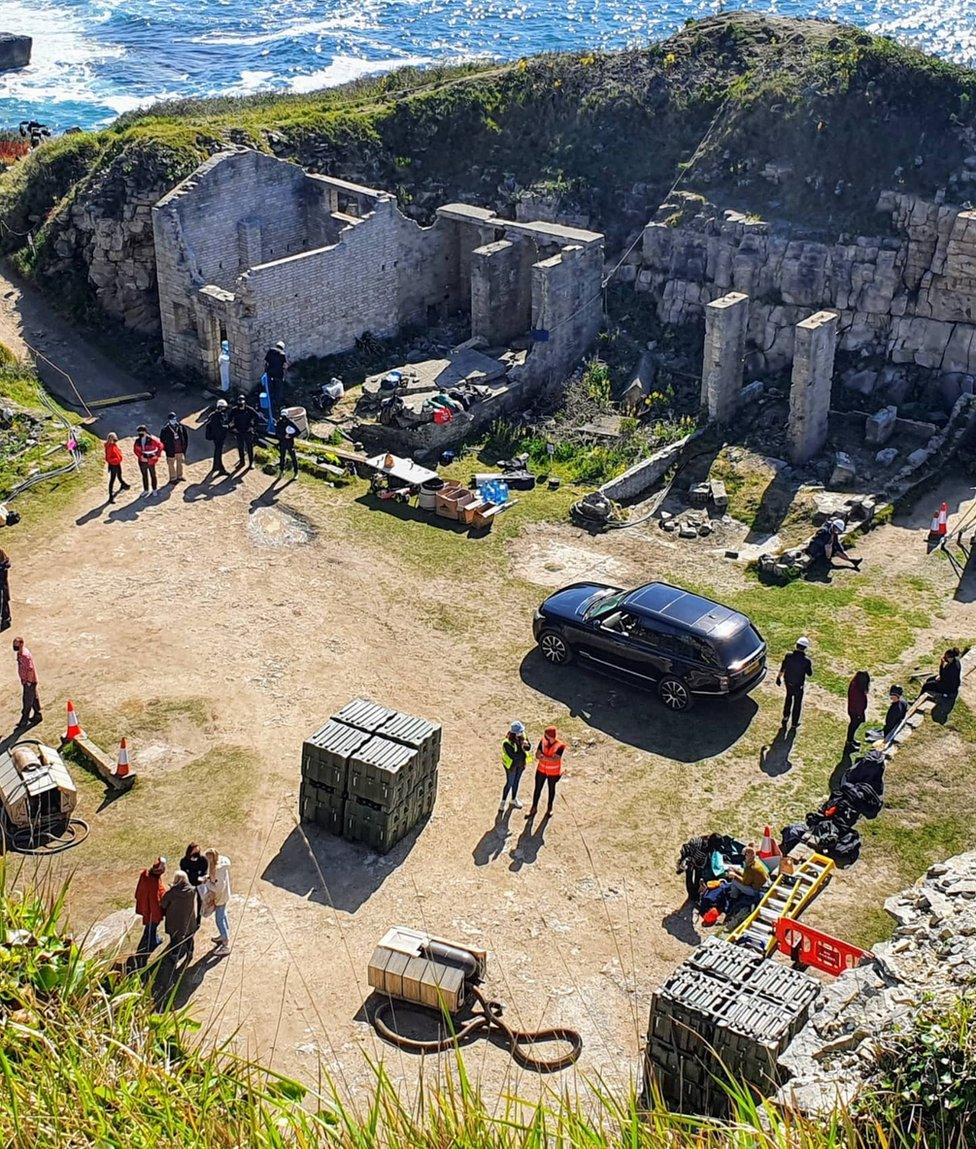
<point x="837" y="528"/>
<point x="794" y="672"/>
<point x="515" y="750"/>
<point x="215" y="431"/>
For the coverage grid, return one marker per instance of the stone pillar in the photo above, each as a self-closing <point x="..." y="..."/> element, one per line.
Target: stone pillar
<point x="813" y="371"/>
<point x="501" y="298"/>
<point x="726" y="320"/>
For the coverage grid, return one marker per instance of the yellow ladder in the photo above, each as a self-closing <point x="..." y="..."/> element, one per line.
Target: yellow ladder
<point x="787" y="897"/>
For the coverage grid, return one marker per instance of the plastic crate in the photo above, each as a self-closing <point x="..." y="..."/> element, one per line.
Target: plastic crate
<point x="383" y="772"/>
<point x="424" y="736"/>
<point x="321" y="807"/>
<point x="379" y="829"/>
<point x="364" y="714"/>
<point x="325" y="754"/>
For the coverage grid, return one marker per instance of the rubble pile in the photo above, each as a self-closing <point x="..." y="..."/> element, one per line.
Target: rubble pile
<point x="931" y="955"/>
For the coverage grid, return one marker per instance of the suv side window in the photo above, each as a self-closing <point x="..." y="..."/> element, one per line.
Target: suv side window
<point x="671" y="645"/>
<point x="703" y="651"/>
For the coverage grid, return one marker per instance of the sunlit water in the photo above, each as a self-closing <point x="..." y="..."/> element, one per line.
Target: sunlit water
<point x="96" y="58"/>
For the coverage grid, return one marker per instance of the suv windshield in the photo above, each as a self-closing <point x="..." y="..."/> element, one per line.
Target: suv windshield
<point x="604" y="602"/>
<point x="740" y="645"/>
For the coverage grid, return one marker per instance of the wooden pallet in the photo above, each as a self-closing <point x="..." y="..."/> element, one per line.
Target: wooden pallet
<point x="787" y="897"/>
<point x="104" y="767"/>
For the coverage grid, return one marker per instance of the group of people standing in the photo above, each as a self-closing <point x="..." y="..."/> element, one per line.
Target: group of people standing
<point x="549" y="756"/>
<point x="200" y="889"/>
<point x="173" y="439"/>
<point x="797" y="667"/>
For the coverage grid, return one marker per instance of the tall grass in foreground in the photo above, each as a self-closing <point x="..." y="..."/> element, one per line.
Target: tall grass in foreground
<point x="86" y="1060"/>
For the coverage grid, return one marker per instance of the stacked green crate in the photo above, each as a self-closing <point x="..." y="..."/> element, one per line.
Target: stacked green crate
<point x="370" y="774"/>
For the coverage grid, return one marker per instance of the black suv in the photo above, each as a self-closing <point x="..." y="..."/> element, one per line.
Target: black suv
<point x="658" y="634"/>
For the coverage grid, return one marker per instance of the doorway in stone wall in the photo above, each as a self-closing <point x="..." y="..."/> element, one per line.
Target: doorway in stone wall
<point x="215" y="335"/>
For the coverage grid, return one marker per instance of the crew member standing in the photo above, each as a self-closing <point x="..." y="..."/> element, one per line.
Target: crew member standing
<point x="548" y="768"/>
<point x="857" y="707"/>
<point x="515" y="752"/>
<point x="113" y="460"/>
<point x="244" y="420"/>
<point x="4" y="590"/>
<point x="27" y="673"/>
<point x="287" y="433"/>
<point x="147" y="449"/>
<point x="216" y="432"/>
<point x="795" y="671"/>
<point x="175" y="439"/>
<point x="275" y="365"/>
<point x="149" y="894"/>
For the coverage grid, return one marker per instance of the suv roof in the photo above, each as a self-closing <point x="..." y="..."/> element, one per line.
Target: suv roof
<point x="688" y="611"/>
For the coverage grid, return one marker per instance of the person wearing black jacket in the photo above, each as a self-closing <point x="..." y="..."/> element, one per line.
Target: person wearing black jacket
<point x="244" y="421"/>
<point x="4" y="590"/>
<point x="195" y="865"/>
<point x="215" y="431"/>
<point x="287" y="433"/>
<point x="896" y="711"/>
<point x="795" y="671"/>
<point x="175" y="439"/>
<point x="946" y="683"/>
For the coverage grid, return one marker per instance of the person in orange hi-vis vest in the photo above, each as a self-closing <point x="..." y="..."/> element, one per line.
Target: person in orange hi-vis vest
<point x="548" y="768"/>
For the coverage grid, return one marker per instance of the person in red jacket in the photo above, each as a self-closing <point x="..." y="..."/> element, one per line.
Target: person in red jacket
<point x="149" y="893"/>
<point x="148" y="450"/>
<point x="113" y="460"/>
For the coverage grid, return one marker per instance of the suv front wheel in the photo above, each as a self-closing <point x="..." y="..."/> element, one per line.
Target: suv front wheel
<point x="674" y="693"/>
<point x="554" y="648"/>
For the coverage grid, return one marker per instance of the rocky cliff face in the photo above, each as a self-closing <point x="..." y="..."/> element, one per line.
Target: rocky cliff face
<point x="909" y="295"/>
<point x="930" y="956"/>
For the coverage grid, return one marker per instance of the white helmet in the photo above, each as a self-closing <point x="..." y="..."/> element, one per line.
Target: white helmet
<point x="803" y="642"/>
<point x="838" y="524"/>
<point x="221" y="404"/>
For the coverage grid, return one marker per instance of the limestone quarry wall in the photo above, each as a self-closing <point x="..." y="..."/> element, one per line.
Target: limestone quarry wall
<point x="910" y="295"/>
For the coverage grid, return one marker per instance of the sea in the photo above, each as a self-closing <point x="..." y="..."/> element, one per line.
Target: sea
<point x="94" y="59"/>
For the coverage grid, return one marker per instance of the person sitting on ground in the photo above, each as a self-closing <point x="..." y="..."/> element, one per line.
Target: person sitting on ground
<point x="946" y="683"/>
<point x="827" y="544"/>
<point x="897" y="710"/>
<point x="743" y="888"/>
<point x="695" y="862"/>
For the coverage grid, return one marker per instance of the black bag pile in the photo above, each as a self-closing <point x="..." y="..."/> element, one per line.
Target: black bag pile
<point x="830" y="829"/>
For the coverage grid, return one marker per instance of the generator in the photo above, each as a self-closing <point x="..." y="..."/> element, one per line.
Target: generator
<point x="442" y="976"/>
<point x="37" y="799"/>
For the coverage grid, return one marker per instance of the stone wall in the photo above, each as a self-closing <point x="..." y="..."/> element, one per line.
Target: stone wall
<point x="909" y="295"/>
<point x="252" y="250"/>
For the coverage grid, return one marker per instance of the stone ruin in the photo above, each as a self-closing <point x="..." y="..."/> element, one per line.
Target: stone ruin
<point x="251" y="249"/>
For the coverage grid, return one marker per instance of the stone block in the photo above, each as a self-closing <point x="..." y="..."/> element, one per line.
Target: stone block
<point x="844" y="470"/>
<point x="886" y="456"/>
<point x="879" y="427"/>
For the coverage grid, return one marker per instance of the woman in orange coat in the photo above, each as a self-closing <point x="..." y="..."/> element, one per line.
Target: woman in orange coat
<point x="113" y="460"/>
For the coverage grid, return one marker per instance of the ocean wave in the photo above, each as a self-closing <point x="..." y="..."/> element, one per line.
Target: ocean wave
<point x="362" y="17"/>
<point x="343" y="69"/>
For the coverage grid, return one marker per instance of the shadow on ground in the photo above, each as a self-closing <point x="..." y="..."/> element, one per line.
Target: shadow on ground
<point x="636" y="717"/>
<point x="329" y="870"/>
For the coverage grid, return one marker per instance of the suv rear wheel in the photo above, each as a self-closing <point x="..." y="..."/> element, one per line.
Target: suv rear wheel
<point x="674" y="693"/>
<point x="554" y="648"/>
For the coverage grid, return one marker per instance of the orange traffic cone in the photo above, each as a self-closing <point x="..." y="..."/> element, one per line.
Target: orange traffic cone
<point x="74" y="727"/>
<point x="943" y="520"/>
<point x="934" y="528"/>
<point x="122" y="769"/>
<point x="768" y="848"/>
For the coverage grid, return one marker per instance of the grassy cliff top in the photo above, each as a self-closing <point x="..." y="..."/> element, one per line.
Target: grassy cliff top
<point x="607" y="133"/>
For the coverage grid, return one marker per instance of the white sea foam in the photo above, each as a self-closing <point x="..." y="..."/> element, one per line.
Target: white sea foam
<point x="346" y="68"/>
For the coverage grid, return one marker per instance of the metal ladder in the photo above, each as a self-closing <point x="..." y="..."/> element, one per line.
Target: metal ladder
<point x="787" y="897"/>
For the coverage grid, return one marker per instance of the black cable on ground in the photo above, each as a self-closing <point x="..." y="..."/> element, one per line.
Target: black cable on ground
<point x="26" y="841"/>
<point x="489" y="1021"/>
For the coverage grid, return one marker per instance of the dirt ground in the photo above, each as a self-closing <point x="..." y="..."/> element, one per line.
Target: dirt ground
<point x="219" y="624"/>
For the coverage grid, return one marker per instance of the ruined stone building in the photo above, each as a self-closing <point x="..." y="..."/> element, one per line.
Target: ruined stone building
<point x="252" y="249"/>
